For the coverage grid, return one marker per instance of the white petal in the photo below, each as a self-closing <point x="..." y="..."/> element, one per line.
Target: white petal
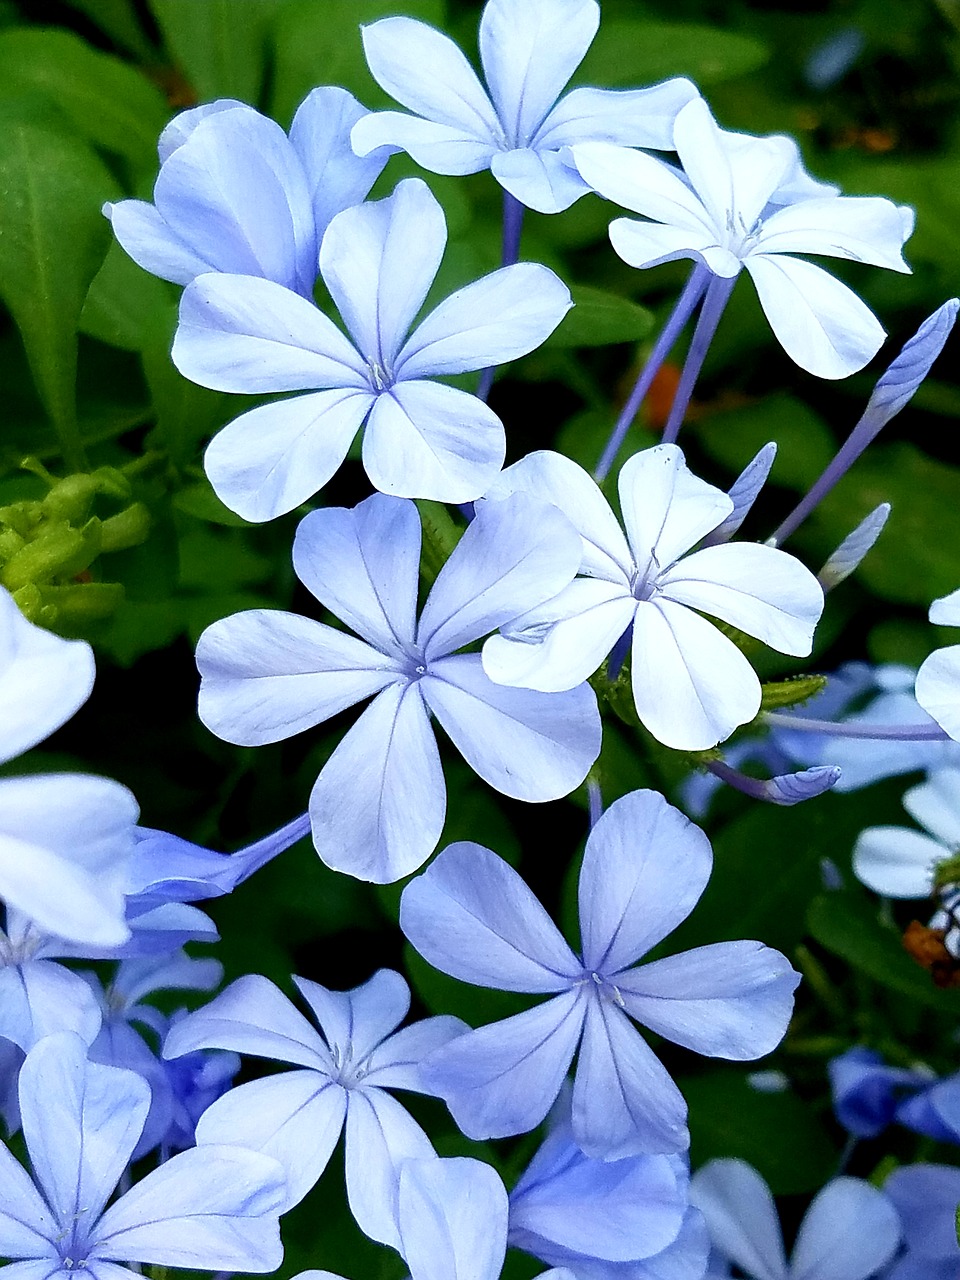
<point x="624" y="117"/>
<point x="642" y="184"/>
<point x="666" y="508"/>
<point x="897" y="861"/>
<point x="380" y="1136"/>
<point x="864" y="229"/>
<point x="647" y="244"/>
<point x="945" y="612"/>
<point x="539" y="179"/>
<point x="938" y="688"/>
<point x="935" y="804"/>
<point x="440" y="148"/>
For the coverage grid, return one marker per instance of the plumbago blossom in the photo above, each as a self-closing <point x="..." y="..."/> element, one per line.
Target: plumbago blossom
<point x="378" y="806"/>
<point x="728" y="210"/>
<point x="297" y="1116"/>
<point x="691" y="684"/>
<point x="236" y="194"/>
<point x="423" y="438"/>
<point x="926" y="1196"/>
<point x="516" y="127"/>
<point x="938" y="680"/>
<point x="644" y="869"/>
<point x="900" y="862"/>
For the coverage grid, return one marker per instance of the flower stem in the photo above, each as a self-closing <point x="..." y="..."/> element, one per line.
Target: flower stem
<point x="859" y="729"/>
<point x="510" y="253"/>
<point x="718" y="292"/>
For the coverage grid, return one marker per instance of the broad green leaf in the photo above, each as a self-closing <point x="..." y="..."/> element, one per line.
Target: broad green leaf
<point x="118" y="18"/>
<point x="637" y="52"/>
<point x="122" y="302"/>
<point x="777" y="1133"/>
<point x="599" y="318"/>
<point x="106" y="100"/>
<point x="54" y="238"/>
<point x="320" y="44"/>
<point x="804" y="443"/>
<point x="220" y="44"/>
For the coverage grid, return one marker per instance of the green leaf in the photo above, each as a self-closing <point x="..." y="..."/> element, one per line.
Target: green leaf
<point x="775" y="1132"/>
<point x="320" y="44"/>
<point x="54" y="238"/>
<point x="122" y="302"/>
<point x="804" y="443"/>
<point x="106" y="100"/>
<point x="118" y="18"/>
<point x="599" y="318"/>
<point x="222" y="46"/>
<point x="637" y="52"/>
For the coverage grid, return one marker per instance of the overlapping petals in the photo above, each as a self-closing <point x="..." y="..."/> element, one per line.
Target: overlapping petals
<point x="938" y="680"/>
<point x="644" y="868"/>
<point x="516" y="126"/>
<point x="691" y="684"/>
<point x="900" y="862"/>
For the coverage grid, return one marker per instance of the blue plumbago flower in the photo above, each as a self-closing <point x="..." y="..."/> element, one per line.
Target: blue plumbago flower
<point x="297" y="1116"/>
<point x="37" y="995"/>
<point x="850" y="1232"/>
<point x="867" y="1094"/>
<point x="934" y="1109"/>
<point x="691" y="684"/>
<point x="926" y="1196"/>
<point x="423" y="439"/>
<point x="236" y="194"/>
<point x="64" y="839"/>
<point x="607" y="1220"/>
<point x="938" y="680"/>
<point x="378" y="806"/>
<point x="529" y="50"/>
<point x="215" y="1209"/>
<point x="900" y="862"/>
<point x="645" y="867"/>
<point x="728" y="211"/>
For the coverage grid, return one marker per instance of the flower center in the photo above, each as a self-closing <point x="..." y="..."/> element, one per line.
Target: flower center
<point x="603" y="988"/>
<point x="381" y="377"/>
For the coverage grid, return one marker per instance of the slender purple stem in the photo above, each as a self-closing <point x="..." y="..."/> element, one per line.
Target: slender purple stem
<point x="693" y="291"/>
<point x="512" y="227"/>
<point x="859" y="729"/>
<point x="718" y="292"/>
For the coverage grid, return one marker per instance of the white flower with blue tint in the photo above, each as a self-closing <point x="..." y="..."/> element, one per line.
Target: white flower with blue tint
<point x="938" y="680"/>
<point x="728" y="210"/>
<point x="423" y="439"/>
<point x="850" y="1232"/>
<point x="516" y="126"/>
<point x="644" y="869"/>
<point x="236" y="194"/>
<point x="691" y="684"/>
<point x="900" y="862"/>
<point x="378" y="806"/>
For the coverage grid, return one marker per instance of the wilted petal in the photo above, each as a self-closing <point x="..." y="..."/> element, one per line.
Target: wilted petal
<point x="666" y="508"/>
<point x="624" y="117"/>
<point x="938" y="688"/>
<point x="863" y="229"/>
<point x="274" y="457"/>
<point x="529" y="745"/>
<point x="354" y="1022"/>
<point x="741" y="1217"/>
<point x="377" y="808"/>
<point x="500" y="317"/>
<point x="39" y="998"/>
<point x="503" y="1078"/>
<point x="380" y="1137"/>
<point x="897" y="861"/>
<point x="440" y="148"/>
<point x="453" y="1219"/>
<point x="850" y="1232"/>
<point x="819" y="322"/>
<point x="266" y="675"/>
<point x="644" y="869"/>
<point x="472" y="916"/>
<point x="363" y="564"/>
<point x="538" y="179"/>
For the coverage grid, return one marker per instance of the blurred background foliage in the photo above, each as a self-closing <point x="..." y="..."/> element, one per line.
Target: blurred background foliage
<point x="109" y="529"/>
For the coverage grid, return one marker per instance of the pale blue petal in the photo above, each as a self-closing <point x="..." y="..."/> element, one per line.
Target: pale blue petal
<point x="378" y="807"/>
<point x="266" y="675"/>
<point x="666" y="508"/>
<point x="529" y="51"/>
<point x="440" y="148"/>
<point x="528" y="745"/>
<point x="210" y="1208"/>
<point x="846" y="559"/>
<point x="850" y="1232"/>
<point x="498" y="318"/>
<point x="176" y="133"/>
<point x="395" y="1064"/>
<point x="38" y="998"/>
<point x="503" y="1078"/>
<point x="897" y="861"/>
<point x="471" y="915"/>
<point x="728" y="1000"/>
<point x="624" y="117"/>
<point x="741" y="1217"/>
<point x="926" y="1196"/>
<point x="355" y="1022"/>
<point x="945" y="612"/>
<point x="26" y="1230"/>
<point x="152" y="244"/>
<point x="295" y="1117"/>
<point x="337" y="178"/>
<point x="538" y="179"/>
<point x="363" y="565"/>
<point x="744" y="492"/>
<point x="624" y="1102"/>
<point x="397" y="51"/>
<point x="643" y="184"/>
<point x="644" y="869"/>
<point x="938" y="688"/>
<point x="453" y="1219"/>
<point x="379" y="260"/>
<point x="429" y="440"/>
<point x="515" y="554"/>
<point x="274" y="457"/>
<point x="251" y="1016"/>
<point x="178" y="971"/>
<point x="380" y="1137"/>
<point x="81" y="1121"/>
<point x="238" y="333"/>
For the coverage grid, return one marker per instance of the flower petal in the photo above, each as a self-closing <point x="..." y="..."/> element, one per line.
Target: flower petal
<point x="666" y="508"/>
<point x="741" y="1217"/>
<point x="897" y="862"/>
<point x="644" y="868"/>
<point x="648" y="244"/>
<point x="623" y="117"/>
<point x="819" y="322"/>
<point x="498" y="318"/>
<point x="863" y="229"/>
<point x="471" y="915"/>
<point x="380" y="1137"/>
<point x="355" y="1022"/>
<point x="25" y="1226"/>
<point x="945" y="612"/>
<point x="237" y="333"/>
<point x="266" y="675"/>
<point x="274" y="457"/>
<point x="926" y="1196"/>
<point x="440" y="148"/>
<point x="529" y="745"/>
<point x="377" y="808"/>
<point x="538" y="179"/>
<point x="395" y="1064"/>
<point x="38" y="998"/>
<point x="363" y="564"/>
<point x="691" y="685"/>
<point x="453" y="1219"/>
<point x="935" y="804"/>
<point x="642" y="184"/>
<point x="152" y="244"/>
<point x="850" y="1232"/>
<point x="428" y="440"/>
<point x="503" y="1078"/>
<point x="938" y="688"/>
